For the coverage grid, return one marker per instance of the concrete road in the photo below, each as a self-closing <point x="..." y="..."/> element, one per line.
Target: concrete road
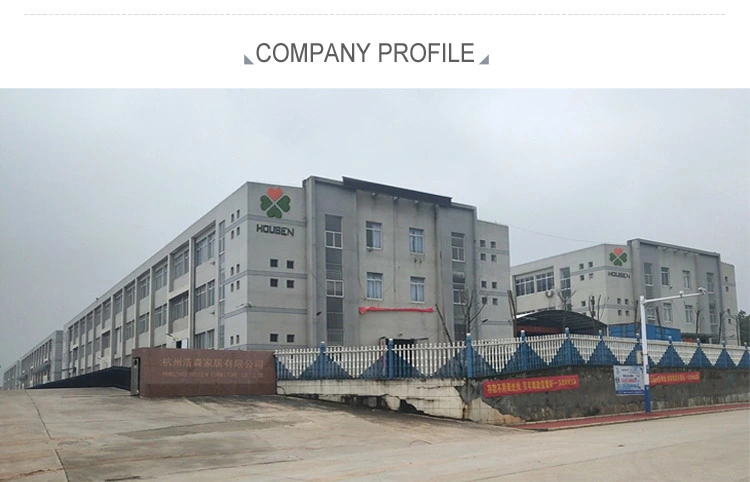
<point x="104" y="434"/>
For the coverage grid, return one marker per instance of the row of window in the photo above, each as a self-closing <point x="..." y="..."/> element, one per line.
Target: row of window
<point x="483" y="284"/>
<point x="275" y="263"/>
<point x="483" y="257"/>
<point x="666" y="279"/>
<point x="374" y="238"/>
<point x="375" y="288"/>
<point x="483" y="244"/>
<point x="274" y="338"/>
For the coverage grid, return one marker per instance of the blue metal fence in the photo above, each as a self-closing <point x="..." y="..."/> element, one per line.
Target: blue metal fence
<point x="489" y="358"/>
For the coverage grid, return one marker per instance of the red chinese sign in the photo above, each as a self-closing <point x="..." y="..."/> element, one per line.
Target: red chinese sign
<point x="501" y="388"/>
<point x="674" y="378"/>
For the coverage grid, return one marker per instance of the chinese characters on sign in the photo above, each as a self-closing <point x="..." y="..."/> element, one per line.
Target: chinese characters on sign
<point x="628" y="380"/>
<point x="674" y="378"/>
<point x="501" y="388"/>
<point x="200" y="367"/>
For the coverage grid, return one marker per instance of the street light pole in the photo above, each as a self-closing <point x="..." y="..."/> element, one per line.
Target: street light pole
<point x="644" y="340"/>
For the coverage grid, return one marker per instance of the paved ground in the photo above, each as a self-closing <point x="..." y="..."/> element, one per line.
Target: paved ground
<point x="104" y="434"/>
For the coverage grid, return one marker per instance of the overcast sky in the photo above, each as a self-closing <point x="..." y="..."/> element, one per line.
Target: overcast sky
<point x="93" y="182"/>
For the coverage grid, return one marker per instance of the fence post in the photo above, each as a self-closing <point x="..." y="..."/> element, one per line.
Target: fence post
<point x="524" y="349"/>
<point x="322" y="359"/>
<point x="700" y="359"/>
<point x="469" y="357"/>
<point x="568" y="347"/>
<point x="390" y="358"/>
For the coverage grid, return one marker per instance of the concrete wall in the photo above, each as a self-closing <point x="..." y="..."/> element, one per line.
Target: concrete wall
<point x="453" y="398"/>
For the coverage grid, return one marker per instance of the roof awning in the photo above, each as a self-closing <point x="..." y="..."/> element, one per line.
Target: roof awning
<point x="549" y="322"/>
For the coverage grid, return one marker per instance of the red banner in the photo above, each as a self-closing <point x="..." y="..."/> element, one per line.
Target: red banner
<point x="674" y="378"/>
<point x="502" y="388"/>
<point x="365" y="309"/>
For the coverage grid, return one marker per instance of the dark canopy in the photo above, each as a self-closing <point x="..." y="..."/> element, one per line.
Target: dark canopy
<point x="550" y="322"/>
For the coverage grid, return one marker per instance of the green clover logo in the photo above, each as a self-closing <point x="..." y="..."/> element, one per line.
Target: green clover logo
<point x="618" y="256"/>
<point x="274" y="202"/>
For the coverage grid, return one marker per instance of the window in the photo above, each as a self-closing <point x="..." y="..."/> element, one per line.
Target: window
<point x="333" y="239"/>
<point x="238" y="230"/>
<point x="160" y="276"/>
<point x="667" y="308"/>
<point x="274" y="283"/>
<point x="289" y="264"/>
<point x="457" y="247"/>
<point x="290" y="283"/>
<point x="494" y="301"/>
<point x="482" y="257"/>
<point x="105" y="341"/>
<point x="160" y="316"/>
<point x="416" y="240"/>
<point x="143" y="323"/>
<point x="274" y="263"/>
<point x="201" y="300"/>
<point x="689" y="314"/>
<point x="580" y="266"/>
<point x="665" y="281"/>
<point x="375" y="286"/>
<point x="493" y="258"/>
<point x="231" y="234"/>
<point x="416" y="287"/>
<point x="231" y="218"/>
<point x="484" y="300"/>
<point x="494" y="285"/>
<point x="204" y="249"/>
<point x="493" y="244"/>
<point x="143" y="287"/>
<point x="484" y="284"/>
<point x="205" y="340"/>
<point x="524" y="285"/>
<point x="712" y="314"/>
<point x="180" y="263"/>
<point x="238" y="214"/>
<point x="619" y="312"/>
<point x="118" y="339"/>
<point x="651" y="315"/>
<point x="627" y="301"/>
<point x="106" y="310"/>
<point x="591" y="275"/>
<point x="710" y="282"/>
<point x="482" y="243"/>
<point x="129" y="295"/>
<point x="627" y="312"/>
<point x="591" y="264"/>
<point x="619" y="301"/>
<point x="231" y="271"/>
<point x="178" y="307"/>
<point x="583" y="303"/>
<point x="581" y="277"/>
<point x="648" y="278"/>
<point x="274" y="338"/>
<point x="685" y="279"/>
<point x="335" y="288"/>
<point x="545" y="281"/>
<point x="373" y="235"/>
<point x="565" y="278"/>
<point x="231" y="287"/>
<point x="290" y="338"/>
<point x="129" y="330"/>
<point x="459" y="297"/>
<point x="231" y="340"/>
<point x="211" y="292"/>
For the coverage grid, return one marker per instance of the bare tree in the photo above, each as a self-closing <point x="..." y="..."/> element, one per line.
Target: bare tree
<point x="565" y="303"/>
<point x="595" y="309"/>
<point x="471" y="305"/>
<point x="698" y="316"/>
<point x="445" y="326"/>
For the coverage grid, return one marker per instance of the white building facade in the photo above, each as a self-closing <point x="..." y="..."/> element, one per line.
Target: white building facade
<point x="346" y="262"/>
<point x="41" y="364"/>
<point x="605" y="282"/>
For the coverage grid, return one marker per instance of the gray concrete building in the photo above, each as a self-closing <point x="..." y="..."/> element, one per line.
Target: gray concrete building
<point x="607" y="280"/>
<point x="346" y="262"/>
<point x="41" y="364"/>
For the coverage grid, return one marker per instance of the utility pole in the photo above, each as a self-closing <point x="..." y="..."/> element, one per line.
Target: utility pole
<point x="644" y="341"/>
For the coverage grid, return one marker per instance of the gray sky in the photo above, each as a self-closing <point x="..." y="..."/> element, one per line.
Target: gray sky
<point x="93" y="182"/>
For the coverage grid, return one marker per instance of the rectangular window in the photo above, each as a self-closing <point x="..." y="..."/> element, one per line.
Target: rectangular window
<point x="494" y="301"/>
<point x="274" y="263"/>
<point x="416" y="240"/>
<point x="160" y="276"/>
<point x="484" y="284"/>
<point x="494" y="285"/>
<point x="619" y="301"/>
<point x="375" y="286"/>
<point x="580" y="266"/>
<point x="143" y="323"/>
<point x="545" y="281"/>
<point x="565" y="278"/>
<point x="685" y="279"/>
<point x="648" y="278"/>
<point x="274" y="338"/>
<point x="105" y="341"/>
<point x="129" y="295"/>
<point x="665" y="281"/>
<point x="180" y="263"/>
<point x="627" y="312"/>
<point x="667" y="308"/>
<point x="493" y="244"/>
<point x="581" y="277"/>
<point x="482" y="257"/>
<point x="333" y="240"/>
<point x="201" y="298"/>
<point x="583" y="303"/>
<point x="290" y="338"/>
<point x="493" y="258"/>
<point x="591" y="275"/>
<point x="689" y="314"/>
<point x="416" y="286"/>
<point x="651" y="315"/>
<point x="627" y="301"/>
<point x="373" y="235"/>
<point x="484" y="300"/>
<point x="335" y="288"/>
<point x="457" y="247"/>
<point x="106" y="310"/>
<point x="204" y="249"/>
<point x="274" y="282"/>
<point x="710" y="282"/>
<point x="129" y="330"/>
<point x="290" y="283"/>
<point x="178" y="307"/>
<point x="619" y="312"/>
<point x="482" y="243"/>
<point x="160" y="316"/>
<point x="459" y="297"/>
<point x="211" y="292"/>
<point x="289" y="264"/>
<point x="524" y="285"/>
<point x="118" y="340"/>
<point x="143" y="286"/>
